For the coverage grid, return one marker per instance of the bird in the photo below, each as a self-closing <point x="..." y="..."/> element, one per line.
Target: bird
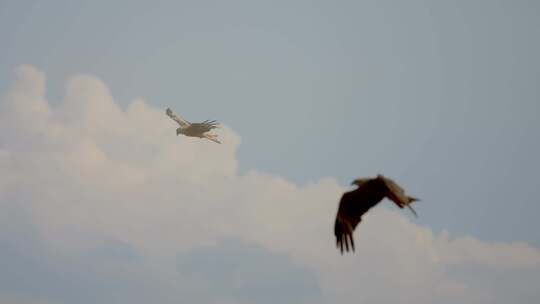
<point x="197" y="129"/>
<point x="355" y="203"/>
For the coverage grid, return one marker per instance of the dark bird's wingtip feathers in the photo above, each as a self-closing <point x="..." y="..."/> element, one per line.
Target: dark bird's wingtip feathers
<point x="345" y="243"/>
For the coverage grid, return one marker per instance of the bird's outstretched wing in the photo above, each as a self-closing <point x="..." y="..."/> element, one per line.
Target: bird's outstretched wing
<point x="182" y="122"/>
<point x="212" y="137"/>
<point x="397" y="195"/>
<point x="348" y="216"/>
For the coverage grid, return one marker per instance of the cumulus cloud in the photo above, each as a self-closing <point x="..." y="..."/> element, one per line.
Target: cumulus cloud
<point x="236" y="271"/>
<point x="101" y="203"/>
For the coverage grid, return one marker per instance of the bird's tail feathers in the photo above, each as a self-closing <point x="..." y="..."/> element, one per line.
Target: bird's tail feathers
<point x="411" y="200"/>
<point x="212" y="137"/>
<point x="412" y="210"/>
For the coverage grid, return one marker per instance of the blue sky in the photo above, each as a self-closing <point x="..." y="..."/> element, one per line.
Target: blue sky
<point x="443" y="97"/>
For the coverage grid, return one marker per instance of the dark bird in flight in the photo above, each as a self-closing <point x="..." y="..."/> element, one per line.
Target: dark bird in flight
<point x="355" y="203"/>
<point x="196" y="129"/>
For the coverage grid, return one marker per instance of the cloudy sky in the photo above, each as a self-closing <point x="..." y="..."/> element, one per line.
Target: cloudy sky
<point x="100" y="201"/>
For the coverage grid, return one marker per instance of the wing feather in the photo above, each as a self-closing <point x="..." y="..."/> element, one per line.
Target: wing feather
<point x="182" y="122"/>
<point x="348" y="217"/>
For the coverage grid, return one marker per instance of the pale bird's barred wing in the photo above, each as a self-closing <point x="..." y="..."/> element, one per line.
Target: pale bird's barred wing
<point x="182" y="122"/>
<point x="398" y="196"/>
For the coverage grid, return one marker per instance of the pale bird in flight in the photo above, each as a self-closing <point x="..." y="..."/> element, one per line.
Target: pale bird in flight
<point x="196" y="129"/>
<point x="355" y="203"/>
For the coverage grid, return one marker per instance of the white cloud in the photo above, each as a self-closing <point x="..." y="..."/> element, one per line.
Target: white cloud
<point x="96" y="179"/>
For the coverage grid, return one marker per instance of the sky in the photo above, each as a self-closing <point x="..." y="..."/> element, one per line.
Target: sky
<point x="100" y="196"/>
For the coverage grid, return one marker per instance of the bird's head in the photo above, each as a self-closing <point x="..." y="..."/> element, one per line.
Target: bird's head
<point x="359" y="181"/>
